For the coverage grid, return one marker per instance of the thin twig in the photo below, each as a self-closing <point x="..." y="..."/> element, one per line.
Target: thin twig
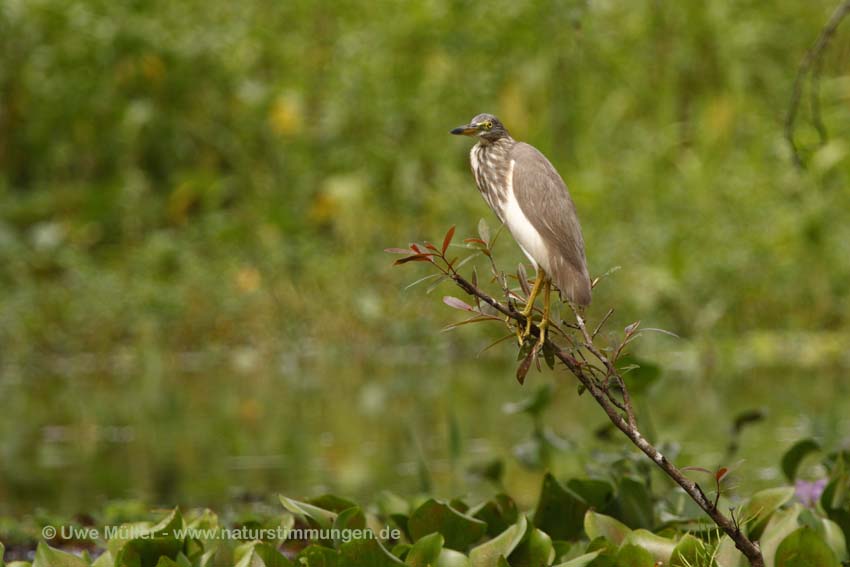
<point x="812" y="58"/>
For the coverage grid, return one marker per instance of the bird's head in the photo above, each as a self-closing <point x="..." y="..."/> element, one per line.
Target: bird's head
<point x="486" y="127"/>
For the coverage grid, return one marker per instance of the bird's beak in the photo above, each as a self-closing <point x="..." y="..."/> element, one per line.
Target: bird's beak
<point x="468" y="130"/>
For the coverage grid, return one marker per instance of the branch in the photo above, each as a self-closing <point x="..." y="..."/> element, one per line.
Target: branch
<point x="627" y="425"/>
<point x="812" y="59"/>
<point x="620" y="414"/>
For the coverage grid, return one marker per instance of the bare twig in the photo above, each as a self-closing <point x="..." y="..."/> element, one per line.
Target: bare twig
<point x="812" y="59"/>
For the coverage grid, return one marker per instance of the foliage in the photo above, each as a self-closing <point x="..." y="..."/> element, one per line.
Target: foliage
<point x="333" y="531"/>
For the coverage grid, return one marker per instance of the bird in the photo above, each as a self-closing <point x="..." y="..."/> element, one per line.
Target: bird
<point x="528" y="195"/>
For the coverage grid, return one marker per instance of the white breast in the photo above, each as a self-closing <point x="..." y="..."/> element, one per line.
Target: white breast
<point x="521" y="228"/>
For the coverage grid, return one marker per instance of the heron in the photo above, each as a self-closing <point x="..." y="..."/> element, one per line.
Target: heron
<point x="528" y="195"/>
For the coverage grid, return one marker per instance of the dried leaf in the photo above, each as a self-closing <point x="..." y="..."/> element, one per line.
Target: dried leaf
<point x="431" y="247"/>
<point x="456" y="303"/>
<point x="525" y="366"/>
<point x="721" y="472"/>
<point x="656" y="330"/>
<point x="448" y="238"/>
<point x="414" y="258"/>
<point x="398" y="250"/>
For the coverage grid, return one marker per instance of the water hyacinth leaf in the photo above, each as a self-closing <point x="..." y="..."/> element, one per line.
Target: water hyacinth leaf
<point x="835" y="539"/>
<point x="833" y="502"/>
<point x="596" y="492"/>
<point x="146" y="550"/>
<point x="690" y="551"/>
<point x="258" y="554"/>
<point x="502" y="545"/>
<point x="661" y="548"/>
<point x="634" y="504"/>
<point x="46" y="556"/>
<point x="794" y="456"/>
<point x="781" y="523"/>
<point x="347" y="520"/>
<point x="426" y="551"/>
<point x="597" y="525"/>
<point x="761" y="506"/>
<point x="318" y="556"/>
<point x="458" y="529"/>
<point x="309" y="513"/>
<point x="535" y="549"/>
<point x="804" y="548"/>
<point x="367" y="552"/>
<point x="728" y="555"/>
<point x="631" y="555"/>
<point x="452" y="558"/>
<point x="581" y="560"/>
<point x="560" y="512"/>
<point x="499" y="513"/>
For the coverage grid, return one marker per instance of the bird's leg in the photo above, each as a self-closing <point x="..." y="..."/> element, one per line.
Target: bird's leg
<point x="544" y="324"/>
<point x="528" y="310"/>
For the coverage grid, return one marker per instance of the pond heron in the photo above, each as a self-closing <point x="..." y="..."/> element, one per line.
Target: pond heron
<point x="528" y="195"/>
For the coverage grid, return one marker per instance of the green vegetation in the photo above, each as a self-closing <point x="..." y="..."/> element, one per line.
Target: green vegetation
<point x="195" y="308"/>
<point x="585" y="522"/>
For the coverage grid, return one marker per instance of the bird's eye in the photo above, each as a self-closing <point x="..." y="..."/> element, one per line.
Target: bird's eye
<point x="488" y="125"/>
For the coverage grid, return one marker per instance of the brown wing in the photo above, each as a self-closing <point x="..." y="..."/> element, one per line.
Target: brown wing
<point x="544" y="199"/>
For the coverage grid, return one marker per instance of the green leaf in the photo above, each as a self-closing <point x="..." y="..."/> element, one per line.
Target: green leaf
<point x="146" y="550"/>
<point x="794" y="456"/>
<point x="259" y="554"/>
<point x="761" y="506"/>
<point x="349" y="519"/>
<point x="2" y="553"/>
<point x="309" y="513"/>
<point x="597" y="493"/>
<point x="104" y="560"/>
<point x="318" y="556"/>
<point x="690" y="551"/>
<point x="781" y="523"/>
<point x="634" y="504"/>
<point x="581" y="560"/>
<point x="459" y="530"/>
<point x="631" y="555"/>
<point x="426" y="551"/>
<point x="498" y="513"/>
<point x="728" y="555"/>
<point x="452" y="558"/>
<point x="661" y="548"/>
<point x="805" y="548"/>
<point x="559" y="512"/>
<point x="486" y="554"/>
<point x="597" y="525"/>
<point x="332" y="502"/>
<point x="535" y="549"/>
<point x="46" y="556"/>
<point x="367" y="552"/>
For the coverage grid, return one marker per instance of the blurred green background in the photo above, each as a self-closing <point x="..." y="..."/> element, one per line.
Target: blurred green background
<point x="195" y="195"/>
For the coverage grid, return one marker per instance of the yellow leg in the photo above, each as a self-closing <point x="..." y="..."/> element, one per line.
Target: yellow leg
<point x="544" y="324"/>
<point x="529" y="305"/>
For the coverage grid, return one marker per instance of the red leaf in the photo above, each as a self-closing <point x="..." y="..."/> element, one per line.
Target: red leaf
<point x="448" y="238"/>
<point x="415" y="247"/>
<point x="414" y="258"/>
<point x="456" y="303"/>
<point x="397" y="250"/>
<point x="721" y="472"/>
<point x="430" y="246"/>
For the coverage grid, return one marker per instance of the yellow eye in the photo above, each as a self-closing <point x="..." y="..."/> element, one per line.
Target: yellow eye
<point x="488" y="125"/>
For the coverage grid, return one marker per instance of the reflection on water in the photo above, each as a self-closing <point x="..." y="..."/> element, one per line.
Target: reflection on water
<point x="202" y="428"/>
